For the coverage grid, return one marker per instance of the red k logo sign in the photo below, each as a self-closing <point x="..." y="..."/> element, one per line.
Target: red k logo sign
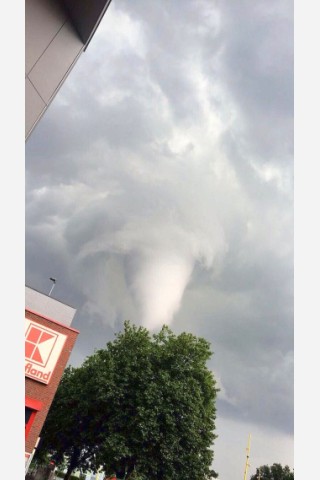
<point x="43" y="347"/>
<point x="39" y="344"/>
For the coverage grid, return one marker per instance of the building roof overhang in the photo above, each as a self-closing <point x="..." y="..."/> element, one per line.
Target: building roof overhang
<point x="85" y="16"/>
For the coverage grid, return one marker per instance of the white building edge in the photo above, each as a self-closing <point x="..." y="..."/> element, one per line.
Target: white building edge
<point x="56" y="33"/>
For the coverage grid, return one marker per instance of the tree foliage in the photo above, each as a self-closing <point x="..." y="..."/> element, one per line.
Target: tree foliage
<point x="67" y="431"/>
<point x="143" y="407"/>
<point x="275" y="472"/>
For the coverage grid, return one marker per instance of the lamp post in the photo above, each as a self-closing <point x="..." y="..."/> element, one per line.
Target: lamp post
<point x="53" y="284"/>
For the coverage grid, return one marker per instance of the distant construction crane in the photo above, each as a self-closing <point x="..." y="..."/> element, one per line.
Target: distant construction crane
<point x="247" y="458"/>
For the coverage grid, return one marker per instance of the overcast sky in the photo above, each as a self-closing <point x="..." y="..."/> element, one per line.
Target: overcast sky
<point x="159" y="188"/>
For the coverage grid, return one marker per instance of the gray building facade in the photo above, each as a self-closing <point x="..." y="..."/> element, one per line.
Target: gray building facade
<point x="56" y="34"/>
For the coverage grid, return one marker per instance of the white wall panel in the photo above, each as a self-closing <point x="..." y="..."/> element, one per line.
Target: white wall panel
<point x="48" y="306"/>
<point x="55" y="63"/>
<point x="43" y="20"/>
<point x="34" y="106"/>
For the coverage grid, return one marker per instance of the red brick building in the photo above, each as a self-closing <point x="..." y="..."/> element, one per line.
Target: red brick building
<point x="49" y="340"/>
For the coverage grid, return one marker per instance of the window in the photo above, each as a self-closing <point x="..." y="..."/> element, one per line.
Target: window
<point x="28" y="413"/>
<point x="31" y="408"/>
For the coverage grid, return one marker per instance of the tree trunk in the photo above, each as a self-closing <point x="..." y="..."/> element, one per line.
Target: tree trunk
<point x="69" y="472"/>
<point x="124" y="473"/>
<point x="130" y="471"/>
<point x="73" y="464"/>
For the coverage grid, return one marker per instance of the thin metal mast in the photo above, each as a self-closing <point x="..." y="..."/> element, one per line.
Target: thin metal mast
<point x="247" y="458"/>
<point x="53" y="284"/>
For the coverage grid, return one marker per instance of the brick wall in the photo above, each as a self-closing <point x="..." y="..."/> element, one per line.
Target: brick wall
<point x="40" y="391"/>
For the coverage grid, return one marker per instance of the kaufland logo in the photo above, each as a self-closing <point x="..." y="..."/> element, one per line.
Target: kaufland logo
<point x="39" y="344"/>
<point x="43" y="347"/>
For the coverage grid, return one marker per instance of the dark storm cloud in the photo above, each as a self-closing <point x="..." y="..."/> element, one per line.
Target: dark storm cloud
<point x="159" y="189"/>
<point x="258" y="69"/>
<point x="247" y="312"/>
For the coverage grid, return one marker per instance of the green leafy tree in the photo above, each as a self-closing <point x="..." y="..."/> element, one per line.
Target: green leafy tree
<point x="69" y="424"/>
<point x="275" y="472"/>
<point x="148" y="412"/>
